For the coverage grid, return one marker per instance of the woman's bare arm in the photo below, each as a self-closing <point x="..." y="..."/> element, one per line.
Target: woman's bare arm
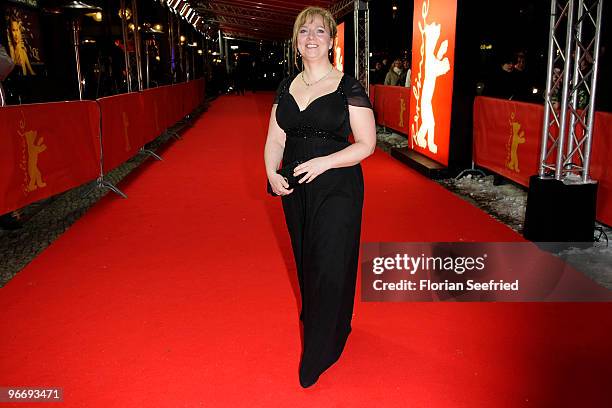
<point x="273" y="154"/>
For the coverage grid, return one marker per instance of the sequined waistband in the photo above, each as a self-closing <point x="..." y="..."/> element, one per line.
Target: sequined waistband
<point x="308" y="132"/>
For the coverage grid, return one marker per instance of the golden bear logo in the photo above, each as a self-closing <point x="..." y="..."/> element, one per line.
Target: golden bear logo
<point x="402" y="110"/>
<point x="435" y="65"/>
<point x="517" y="137"/>
<point x="126" y="136"/>
<point x="35" y="146"/>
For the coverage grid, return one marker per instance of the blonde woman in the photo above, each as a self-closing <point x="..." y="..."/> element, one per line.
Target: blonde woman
<point x="312" y="116"/>
<point x="18" y="50"/>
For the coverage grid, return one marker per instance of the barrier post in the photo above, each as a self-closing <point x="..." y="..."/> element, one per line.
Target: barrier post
<point x="101" y="182"/>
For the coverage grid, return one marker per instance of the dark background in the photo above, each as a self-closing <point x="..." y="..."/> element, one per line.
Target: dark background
<point x="505" y="27"/>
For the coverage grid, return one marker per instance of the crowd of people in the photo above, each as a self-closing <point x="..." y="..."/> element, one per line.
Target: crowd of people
<point x="508" y="79"/>
<point x="398" y="74"/>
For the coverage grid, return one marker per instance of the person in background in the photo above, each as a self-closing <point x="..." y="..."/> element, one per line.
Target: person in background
<point x="10" y="221"/>
<point x="404" y="79"/>
<point x="604" y="84"/>
<point x="586" y="64"/>
<point x="385" y="64"/>
<point x="238" y="74"/>
<point x="253" y="76"/>
<point x="556" y="88"/>
<point x="394" y="73"/>
<point x="501" y="81"/>
<point x="378" y="75"/>
<point x="6" y="66"/>
<point x="522" y="81"/>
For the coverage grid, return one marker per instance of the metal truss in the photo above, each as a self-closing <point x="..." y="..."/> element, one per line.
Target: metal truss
<point x="569" y="109"/>
<point x="269" y="19"/>
<point x="342" y="8"/>
<point x="220" y="8"/>
<point x="247" y="23"/>
<point x="361" y="16"/>
<point x="273" y="20"/>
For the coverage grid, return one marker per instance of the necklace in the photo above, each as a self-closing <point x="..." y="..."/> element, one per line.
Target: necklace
<point x="318" y="80"/>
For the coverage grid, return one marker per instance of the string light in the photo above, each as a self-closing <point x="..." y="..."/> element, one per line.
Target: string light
<point x="184" y="9"/>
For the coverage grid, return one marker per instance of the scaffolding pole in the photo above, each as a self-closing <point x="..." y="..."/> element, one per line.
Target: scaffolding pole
<point x="569" y="108"/>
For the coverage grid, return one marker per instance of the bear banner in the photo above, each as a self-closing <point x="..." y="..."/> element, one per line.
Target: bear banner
<point x="391" y="105"/>
<point x="47" y="149"/>
<point x="507" y="137"/>
<point x="433" y="59"/>
<point x="507" y="140"/>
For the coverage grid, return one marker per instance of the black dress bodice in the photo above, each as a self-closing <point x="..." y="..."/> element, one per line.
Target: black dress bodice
<point x="323" y="127"/>
<point x="327" y="115"/>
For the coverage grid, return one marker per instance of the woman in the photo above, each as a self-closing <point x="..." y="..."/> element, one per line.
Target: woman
<point x="19" y="53"/>
<point x="394" y="73"/>
<point x="312" y="116"/>
<point x="404" y="79"/>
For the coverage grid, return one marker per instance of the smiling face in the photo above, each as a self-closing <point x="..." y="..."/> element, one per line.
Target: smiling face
<point x="314" y="31"/>
<point x="314" y="40"/>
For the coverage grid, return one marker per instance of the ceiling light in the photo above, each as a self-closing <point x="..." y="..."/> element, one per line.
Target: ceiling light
<point x="125" y="14"/>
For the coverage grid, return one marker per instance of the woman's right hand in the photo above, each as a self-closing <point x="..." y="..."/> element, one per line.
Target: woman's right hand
<point x="279" y="184"/>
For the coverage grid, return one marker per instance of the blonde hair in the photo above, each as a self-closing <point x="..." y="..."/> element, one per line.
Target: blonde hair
<point x="307" y="15"/>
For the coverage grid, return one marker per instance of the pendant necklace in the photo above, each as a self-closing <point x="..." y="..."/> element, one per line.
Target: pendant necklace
<point x="318" y="80"/>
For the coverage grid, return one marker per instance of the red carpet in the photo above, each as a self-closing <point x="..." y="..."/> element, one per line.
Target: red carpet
<point x="183" y="295"/>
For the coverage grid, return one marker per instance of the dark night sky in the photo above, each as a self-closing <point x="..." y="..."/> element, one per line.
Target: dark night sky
<point x="508" y="26"/>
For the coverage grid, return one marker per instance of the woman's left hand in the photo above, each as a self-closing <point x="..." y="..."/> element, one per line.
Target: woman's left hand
<point x="312" y="168"/>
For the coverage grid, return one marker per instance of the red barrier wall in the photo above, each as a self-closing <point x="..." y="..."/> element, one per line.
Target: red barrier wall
<point x="124" y="128"/>
<point x="391" y="104"/>
<point x="507" y="137"/>
<point x="158" y="115"/>
<point x="601" y="165"/>
<point x="46" y="149"/>
<point x="52" y="147"/>
<point x="379" y="105"/>
<point x="372" y="94"/>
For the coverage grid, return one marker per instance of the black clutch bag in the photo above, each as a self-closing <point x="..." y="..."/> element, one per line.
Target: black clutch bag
<point x="287" y="173"/>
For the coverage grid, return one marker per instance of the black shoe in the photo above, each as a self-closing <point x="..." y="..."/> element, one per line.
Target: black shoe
<point x="305" y="382"/>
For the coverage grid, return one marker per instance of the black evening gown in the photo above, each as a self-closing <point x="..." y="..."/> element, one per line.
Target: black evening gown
<point x="324" y="220"/>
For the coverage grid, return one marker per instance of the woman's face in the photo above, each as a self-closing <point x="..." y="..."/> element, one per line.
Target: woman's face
<point x="314" y="40"/>
<point x="15" y="32"/>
